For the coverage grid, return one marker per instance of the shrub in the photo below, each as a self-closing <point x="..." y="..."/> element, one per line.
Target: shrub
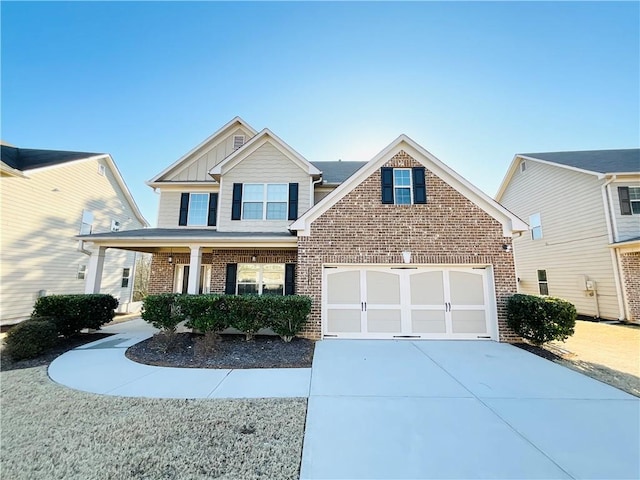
<point x="288" y="314"/>
<point x="31" y="338"/>
<point x="246" y="314"/>
<point x="541" y="319"/>
<point x="207" y="344"/>
<point x="72" y="313"/>
<point x="162" y="311"/>
<point x="205" y="313"/>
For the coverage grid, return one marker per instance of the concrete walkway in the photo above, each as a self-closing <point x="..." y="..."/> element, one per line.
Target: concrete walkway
<point x="101" y="367"/>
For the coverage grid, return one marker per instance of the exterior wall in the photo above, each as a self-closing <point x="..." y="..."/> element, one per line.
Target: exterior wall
<point x="266" y="165"/>
<point x="449" y="229"/>
<point x="162" y="272"/>
<point x="627" y="226"/>
<point x="319" y="194"/>
<point x="41" y="215"/>
<point x="575" y="237"/>
<point x="197" y="168"/>
<point x="630" y="263"/>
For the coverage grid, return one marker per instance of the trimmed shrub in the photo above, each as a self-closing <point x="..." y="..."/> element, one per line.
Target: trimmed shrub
<point x="541" y="319"/>
<point x="72" y="313"/>
<point x="31" y="338"/>
<point x="288" y="314"/>
<point x="247" y="314"/>
<point x="205" y="313"/>
<point x="162" y="311"/>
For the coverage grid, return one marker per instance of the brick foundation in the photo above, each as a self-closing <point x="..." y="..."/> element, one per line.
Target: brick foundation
<point x="630" y="263"/>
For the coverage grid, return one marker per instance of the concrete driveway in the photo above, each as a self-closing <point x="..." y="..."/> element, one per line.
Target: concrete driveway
<point x="455" y="409"/>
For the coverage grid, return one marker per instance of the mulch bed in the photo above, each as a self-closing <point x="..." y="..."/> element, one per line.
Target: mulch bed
<point x="539" y="351"/>
<point x="64" y="345"/>
<point x="229" y="351"/>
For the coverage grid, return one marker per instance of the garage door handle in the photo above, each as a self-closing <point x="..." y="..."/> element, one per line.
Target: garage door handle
<point x="363" y="306"/>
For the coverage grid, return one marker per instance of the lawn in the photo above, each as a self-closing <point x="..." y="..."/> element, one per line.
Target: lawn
<point x="52" y="432"/>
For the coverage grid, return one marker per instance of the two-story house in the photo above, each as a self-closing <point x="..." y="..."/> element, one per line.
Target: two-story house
<point x="397" y="247"/>
<point x="49" y="197"/>
<point x="584" y="244"/>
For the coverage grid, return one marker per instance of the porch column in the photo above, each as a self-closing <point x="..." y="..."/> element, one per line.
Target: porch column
<point x="195" y="264"/>
<point x="94" y="271"/>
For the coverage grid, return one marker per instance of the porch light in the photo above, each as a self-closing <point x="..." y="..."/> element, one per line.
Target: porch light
<point x="253" y="258"/>
<point x="406" y="256"/>
<point x="170" y="259"/>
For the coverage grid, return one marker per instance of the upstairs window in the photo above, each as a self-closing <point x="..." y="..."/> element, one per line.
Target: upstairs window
<point x="634" y="198"/>
<point x="535" y="225"/>
<point x="101" y="170"/>
<point x="629" y="200"/>
<point x="238" y="141"/>
<point x="403" y="186"/>
<point x="543" y="285"/>
<point x="126" y="274"/>
<point x="115" y="226"/>
<point x="86" y="224"/>
<point x="198" y="209"/>
<point x="265" y="201"/>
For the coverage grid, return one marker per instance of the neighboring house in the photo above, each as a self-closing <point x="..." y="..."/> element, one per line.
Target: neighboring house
<point x="584" y="212"/>
<point x="397" y="247"/>
<point x="49" y="197"/>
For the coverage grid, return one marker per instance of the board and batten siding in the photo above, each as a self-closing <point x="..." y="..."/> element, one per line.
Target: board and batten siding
<point x="627" y="226"/>
<point x="41" y="215"/>
<point x="266" y="165"/>
<point x="197" y="169"/>
<point x="575" y="238"/>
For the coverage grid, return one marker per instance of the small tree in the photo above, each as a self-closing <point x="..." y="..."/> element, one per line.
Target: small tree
<point x="541" y="319"/>
<point x="141" y="277"/>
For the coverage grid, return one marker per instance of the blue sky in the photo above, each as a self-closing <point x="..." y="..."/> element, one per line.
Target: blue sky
<point x="473" y="83"/>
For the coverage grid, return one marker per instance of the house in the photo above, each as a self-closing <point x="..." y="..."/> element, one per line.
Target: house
<point x="49" y="197"/>
<point x="397" y="247"/>
<point x="584" y="244"/>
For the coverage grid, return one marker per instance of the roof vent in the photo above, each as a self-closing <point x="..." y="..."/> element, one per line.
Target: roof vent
<point x="523" y="166"/>
<point x="238" y="141"/>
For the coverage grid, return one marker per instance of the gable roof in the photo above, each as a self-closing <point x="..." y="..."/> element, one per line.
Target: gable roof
<point x="29" y="160"/>
<point x="233" y="123"/>
<point x="256" y="142"/>
<point x="510" y="222"/>
<point x="337" y="172"/>
<point x="596" y="162"/>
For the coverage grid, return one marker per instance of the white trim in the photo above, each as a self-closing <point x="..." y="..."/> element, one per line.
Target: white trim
<point x="510" y="222"/>
<point x="210" y="138"/>
<point x="265" y="201"/>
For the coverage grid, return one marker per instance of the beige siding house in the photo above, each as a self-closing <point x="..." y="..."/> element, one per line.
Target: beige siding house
<point x="397" y="247"/>
<point x="583" y="210"/>
<point x="49" y="197"/>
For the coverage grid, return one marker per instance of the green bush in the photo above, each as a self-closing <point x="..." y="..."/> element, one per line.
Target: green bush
<point x="288" y="314"/>
<point x="247" y="314"/>
<point x="541" y="319"/>
<point x="205" y="313"/>
<point x="72" y="313"/>
<point x="31" y="338"/>
<point x="162" y="311"/>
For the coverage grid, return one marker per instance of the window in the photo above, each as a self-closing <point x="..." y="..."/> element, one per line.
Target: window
<point x="260" y="279"/>
<point x="238" y="141"/>
<point x="542" y="282"/>
<point x="82" y="272"/>
<point x="265" y="201"/>
<point x="536" y="226"/>
<point x="126" y="274"/>
<point x="523" y="166"/>
<point x="115" y="226"/>
<point x="101" y="170"/>
<point x="402" y="186"/>
<point x="198" y="209"/>
<point x="634" y="198"/>
<point x="87" y="222"/>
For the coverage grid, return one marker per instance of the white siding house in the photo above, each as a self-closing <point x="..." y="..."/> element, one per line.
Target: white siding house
<point x="584" y="238"/>
<point x="49" y="197"/>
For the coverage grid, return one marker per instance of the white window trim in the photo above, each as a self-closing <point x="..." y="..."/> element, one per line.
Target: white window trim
<point x="523" y="166"/>
<point x="410" y="186"/>
<point x="81" y="274"/>
<point x="206" y="215"/>
<point x="102" y="170"/>
<point x="178" y="278"/>
<point x="87" y="219"/>
<point x="127" y="277"/>
<point x="264" y="203"/>
<point x="260" y="276"/>
<point x="535" y="222"/>
<point x="542" y="282"/>
<point x="115" y="225"/>
<point x="631" y="202"/>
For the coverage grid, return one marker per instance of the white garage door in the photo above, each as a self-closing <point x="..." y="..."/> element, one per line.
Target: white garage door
<point x="407" y="302"/>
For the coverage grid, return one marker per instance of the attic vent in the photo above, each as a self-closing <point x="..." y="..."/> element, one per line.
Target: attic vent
<point x="523" y="166"/>
<point x="238" y="141"/>
<point x="101" y="170"/>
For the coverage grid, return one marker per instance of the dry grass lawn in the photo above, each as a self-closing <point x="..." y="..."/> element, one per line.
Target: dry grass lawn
<point x="52" y="432"/>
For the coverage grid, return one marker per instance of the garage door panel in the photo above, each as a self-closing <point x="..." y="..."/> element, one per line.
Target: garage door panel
<point x="384" y="321"/>
<point x="466" y="288"/>
<point x="344" y="320"/>
<point x="343" y="288"/>
<point x="383" y="288"/>
<point x="428" y="321"/>
<point x="469" y="321"/>
<point x="427" y="288"/>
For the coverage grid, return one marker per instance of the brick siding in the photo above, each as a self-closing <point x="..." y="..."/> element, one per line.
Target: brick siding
<point x="631" y="275"/>
<point x="449" y="229"/>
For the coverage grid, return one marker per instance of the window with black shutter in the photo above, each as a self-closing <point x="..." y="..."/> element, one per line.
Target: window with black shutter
<point x="290" y="279"/>
<point x="403" y="186"/>
<point x="293" y="201"/>
<point x="230" y="282"/>
<point x="236" y="202"/>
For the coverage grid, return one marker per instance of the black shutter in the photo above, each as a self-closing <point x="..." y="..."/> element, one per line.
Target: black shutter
<point x="293" y="201"/>
<point x="419" y="185"/>
<point x="236" y="202"/>
<point x="386" y="173"/>
<point x="625" y="201"/>
<point x="230" y="284"/>
<point x="213" y="209"/>
<point x="290" y="279"/>
<point x="184" y="209"/>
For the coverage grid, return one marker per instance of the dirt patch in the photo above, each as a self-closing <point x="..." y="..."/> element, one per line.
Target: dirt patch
<point x="230" y="351"/>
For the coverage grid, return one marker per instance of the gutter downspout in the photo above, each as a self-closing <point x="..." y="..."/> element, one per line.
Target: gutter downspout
<point x="622" y="314"/>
